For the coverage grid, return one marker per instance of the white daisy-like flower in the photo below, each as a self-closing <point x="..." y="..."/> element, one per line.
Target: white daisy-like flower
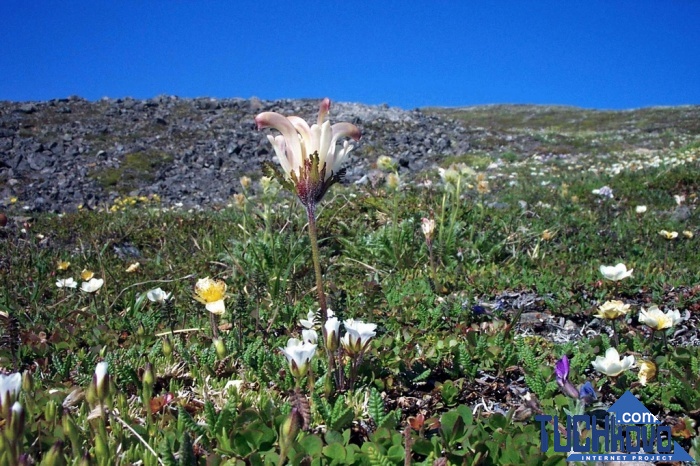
<point x="92" y="285"/>
<point x="611" y="364"/>
<point x="66" y="283"/>
<point x="615" y="272"/>
<point x="157" y="295"/>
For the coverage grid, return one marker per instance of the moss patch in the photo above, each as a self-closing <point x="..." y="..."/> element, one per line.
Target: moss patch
<point x="135" y="169"/>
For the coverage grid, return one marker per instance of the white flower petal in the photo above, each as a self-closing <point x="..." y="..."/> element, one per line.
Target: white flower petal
<point x="216" y="307"/>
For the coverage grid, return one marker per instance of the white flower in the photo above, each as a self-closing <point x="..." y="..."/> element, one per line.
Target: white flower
<point x="158" y="296"/>
<point x="298" y="355"/>
<point x="9" y="389"/>
<point x="668" y="234"/>
<point x="612" y="310"/>
<point x="357" y="336"/>
<point x="101" y="371"/>
<point x="101" y="380"/>
<point x="331" y="331"/>
<point x="656" y="319"/>
<point x="309" y="335"/>
<point x="428" y="227"/>
<point x="297" y="143"/>
<point x="310" y="321"/>
<point x="92" y="285"/>
<point x="66" y="283"/>
<point x="611" y="364"/>
<point x="211" y="293"/>
<point x="615" y="273"/>
<point x="680" y="199"/>
<point x="640" y="209"/>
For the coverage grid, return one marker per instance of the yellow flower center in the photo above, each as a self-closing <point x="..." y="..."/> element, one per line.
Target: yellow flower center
<point x="209" y="291"/>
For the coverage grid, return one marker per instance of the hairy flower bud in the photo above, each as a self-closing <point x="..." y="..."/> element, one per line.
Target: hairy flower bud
<point x="27" y="381"/>
<point x="167" y="347"/>
<point x="290" y="426"/>
<point x="149" y="378"/>
<point x="54" y="456"/>
<point x="220" y="348"/>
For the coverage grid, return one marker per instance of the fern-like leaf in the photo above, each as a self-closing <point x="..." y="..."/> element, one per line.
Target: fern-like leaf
<point x="375" y="406"/>
<point x="376" y="458"/>
<point x="166" y="455"/>
<point x="187" y="457"/>
<point x="190" y="424"/>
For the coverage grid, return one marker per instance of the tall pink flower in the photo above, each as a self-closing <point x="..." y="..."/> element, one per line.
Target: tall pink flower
<point x="309" y="155"/>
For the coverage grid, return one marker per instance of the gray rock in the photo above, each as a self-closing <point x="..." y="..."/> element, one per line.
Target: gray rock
<point x="681" y="214"/>
<point x="38" y="161"/>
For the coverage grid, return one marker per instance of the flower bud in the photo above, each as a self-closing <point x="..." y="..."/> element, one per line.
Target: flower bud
<point x="428" y="228"/>
<point x="167" y="347"/>
<point x="50" y="411"/>
<point x="27" y="381"/>
<point x="266" y="183"/>
<point x="70" y="429"/>
<point x="101" y="449"/>
<point x="54" y="457"/>
<point x="101" y="381"/>
<point x="385" y="163"/>
<point x="239" y="200"/>
<point x="568" y="389"/>
<point x="149" y="377"/>
<point x="16" y="422"/>
<point x="220" y="347"/>
<point x="393" y="181"/>
<point x="331" y="333"/>
<point x="290" y="426"/>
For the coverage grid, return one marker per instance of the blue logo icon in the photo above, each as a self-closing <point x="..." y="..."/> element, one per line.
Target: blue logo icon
<point x="626" y="432"/>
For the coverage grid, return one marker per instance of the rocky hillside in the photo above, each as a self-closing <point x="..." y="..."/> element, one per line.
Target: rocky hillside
<point x="65" y="153"/>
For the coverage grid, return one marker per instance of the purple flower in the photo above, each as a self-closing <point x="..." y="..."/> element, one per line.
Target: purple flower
<point x="561" y="370"/>
<point x="605" y="191"/>
<point x="587" y="393"/>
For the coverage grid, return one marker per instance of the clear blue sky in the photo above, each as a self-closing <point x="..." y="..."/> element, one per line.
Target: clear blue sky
<point x="590" y="53"/>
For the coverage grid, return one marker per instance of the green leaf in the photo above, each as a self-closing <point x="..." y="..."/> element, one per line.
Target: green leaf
<point x="375" y="456"/>
<point x="312" y="445"/>
<point x="186" y="450"/>
<point x="466" y="413"/>
<point x="335" y="452"/>
<point x="425" y="447"/>
<point x="396" y="453"/>
<point x="452" y="427"/>
<point x="375" y="406"/>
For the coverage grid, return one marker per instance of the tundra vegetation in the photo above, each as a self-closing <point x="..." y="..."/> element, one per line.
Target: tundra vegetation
<point x="422" y="318"/>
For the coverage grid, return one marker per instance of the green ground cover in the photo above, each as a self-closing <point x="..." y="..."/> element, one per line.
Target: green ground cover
<point x="466" y="343"/>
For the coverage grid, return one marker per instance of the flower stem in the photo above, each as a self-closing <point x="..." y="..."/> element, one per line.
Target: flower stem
<point x="214" y="325"/>
<point x="433" y="268"/>
<point x="313" y="237"/>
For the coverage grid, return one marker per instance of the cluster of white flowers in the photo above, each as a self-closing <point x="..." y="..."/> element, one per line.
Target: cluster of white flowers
<point x="299" y="352"/>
